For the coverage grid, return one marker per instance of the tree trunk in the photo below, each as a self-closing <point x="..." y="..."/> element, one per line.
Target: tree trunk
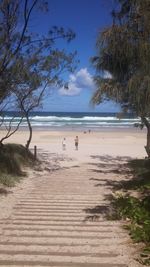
<point x="30" y="132"/>
<point x="147" y="147"/>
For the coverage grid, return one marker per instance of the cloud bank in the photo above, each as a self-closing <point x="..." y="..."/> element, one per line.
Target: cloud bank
<point x="77" y="82"/>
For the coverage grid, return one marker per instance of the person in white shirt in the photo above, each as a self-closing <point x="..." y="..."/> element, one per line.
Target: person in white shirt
<point x="64" y="144"/>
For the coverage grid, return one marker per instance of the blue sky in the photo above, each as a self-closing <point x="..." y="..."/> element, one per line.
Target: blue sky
<point x="86" y="18"/>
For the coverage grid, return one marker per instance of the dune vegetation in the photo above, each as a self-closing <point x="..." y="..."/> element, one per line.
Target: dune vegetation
<point x="132" y="205"/>
<point x="13" y="159"/>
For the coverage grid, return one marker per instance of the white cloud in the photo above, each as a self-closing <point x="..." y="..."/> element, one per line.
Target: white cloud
<point x="107" y="75"/>
<point x="77" y="82"/>
<point x="84" y="79"/>
<point x="72" y="90"/>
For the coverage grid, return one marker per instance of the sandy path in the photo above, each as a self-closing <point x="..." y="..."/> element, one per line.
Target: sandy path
<point x="57" y="218"/>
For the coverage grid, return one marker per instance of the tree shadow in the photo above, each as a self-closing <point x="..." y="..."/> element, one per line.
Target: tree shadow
<point x="51" y="162"/>
<point x="108" y="158"/>
<point x="97" y="212"/>
<point x="5" y="192"/>
<point x="135" y="172"/>
<point x="109" y="164"/>
<point x="140" y="169"/>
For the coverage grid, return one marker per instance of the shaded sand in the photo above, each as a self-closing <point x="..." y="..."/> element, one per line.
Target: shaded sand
<point x="57" y="216"/>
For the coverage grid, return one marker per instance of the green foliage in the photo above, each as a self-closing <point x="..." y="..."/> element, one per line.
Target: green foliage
<point x="145" y="256"/>
<point x="136" y="210"/>
<point x="9" y="180"/>
<point x="12" y="158"/>
<point x="140" y="170"/>
<point x="30" y="62"/>
<point x="24" y="53"/>
<point x="123" y="50"/>
<point x="138" y="213"/>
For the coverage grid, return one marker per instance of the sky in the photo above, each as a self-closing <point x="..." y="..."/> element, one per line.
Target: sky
<point x="86" y="18"/>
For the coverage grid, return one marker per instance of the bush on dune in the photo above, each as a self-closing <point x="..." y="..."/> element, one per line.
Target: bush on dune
<point x="136" y="210"/>
<point x="12" y="158"/>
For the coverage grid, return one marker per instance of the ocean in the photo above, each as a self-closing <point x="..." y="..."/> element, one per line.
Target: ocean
<point x="73" y="120"/>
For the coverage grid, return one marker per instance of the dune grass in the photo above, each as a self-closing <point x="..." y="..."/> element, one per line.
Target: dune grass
<point x="13" y="158"/>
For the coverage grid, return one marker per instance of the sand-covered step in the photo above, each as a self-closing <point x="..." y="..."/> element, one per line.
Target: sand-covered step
<point x="63" y="202"/>
<point x="68" y="207"/>
<point x="28" y="263"/>
<point x="63" y="246"/>
<point x="57" y="253"/>
<point x="55" y="213"/>
<point x="53" y="209"/>
<point x="64" y="190"/>
<point x="59" y="204"/>
<point x="44" y="222"/>
<point x="12" y="246"/>
<point x="69" y="196"/>
<point x="62" y="258"/>
<point x="66" y="217"/>
<point x="69" y="235"/>
<point x="59" y="256"/>
<point x="52" y="219"/>
<point x="64" y="197"/>
<point x="56" y="205"/>
<point x="74" y="234"/>
<point x="64" y="211"/>
<point x="50" y="239"/>
<point x="47" y="222"/>
<point x="79" y="228"/>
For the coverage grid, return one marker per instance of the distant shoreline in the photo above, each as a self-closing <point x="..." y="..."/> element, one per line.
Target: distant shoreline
<point x="80" y="129"/>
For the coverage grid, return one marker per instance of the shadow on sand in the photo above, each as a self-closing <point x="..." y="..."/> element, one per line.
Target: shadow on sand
<point x="5" y="192"/>
<point x="124" y="167"/>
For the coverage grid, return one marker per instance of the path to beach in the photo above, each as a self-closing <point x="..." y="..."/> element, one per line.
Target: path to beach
<point x="56" y="216"/>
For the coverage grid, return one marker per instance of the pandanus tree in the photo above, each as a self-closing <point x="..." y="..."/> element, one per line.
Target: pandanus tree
<point x="123" y="50"/>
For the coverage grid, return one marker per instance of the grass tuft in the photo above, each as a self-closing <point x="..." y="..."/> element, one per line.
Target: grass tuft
<point x="12" y="158"/>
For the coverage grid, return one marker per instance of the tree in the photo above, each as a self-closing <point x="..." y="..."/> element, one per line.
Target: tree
<point x="30" y="94"/>
<point x="29" y="62"/>
<point x="17" y="42"/>
<point x="123" y="49"/>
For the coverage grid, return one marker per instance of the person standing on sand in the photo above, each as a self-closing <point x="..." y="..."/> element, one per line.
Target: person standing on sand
<point x="64" y="144"/>
<point x="76" y="142"/>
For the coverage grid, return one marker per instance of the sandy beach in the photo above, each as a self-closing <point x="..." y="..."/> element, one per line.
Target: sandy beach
<point x="128" y="142"/>
<point x="56" y="215"/>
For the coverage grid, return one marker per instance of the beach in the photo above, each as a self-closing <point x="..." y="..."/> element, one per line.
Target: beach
<point x="114" y="142"/>
<point x="56" y="215"/>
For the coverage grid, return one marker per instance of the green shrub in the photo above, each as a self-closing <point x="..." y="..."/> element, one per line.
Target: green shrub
<point x="12" y="158"/>
<point x="138" y="213"/>
<point x="141" y="175"/>
<point x="9" y="180"/>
